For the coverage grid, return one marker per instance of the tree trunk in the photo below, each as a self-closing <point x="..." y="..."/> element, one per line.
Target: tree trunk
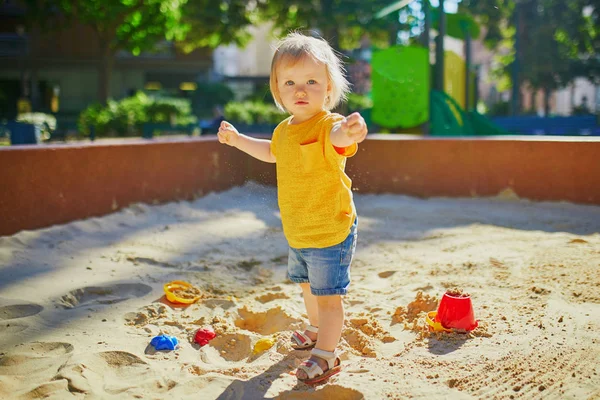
<point x="105" y="72"/>
<point x="330" y="29"/>
<point x="547" y="94"/>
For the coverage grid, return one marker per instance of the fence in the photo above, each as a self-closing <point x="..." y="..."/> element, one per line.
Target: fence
<point x="53" y="184"/>
<point x="568" y="126"/>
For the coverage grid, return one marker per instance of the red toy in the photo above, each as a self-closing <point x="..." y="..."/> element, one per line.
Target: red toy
<point x="203" y="336"/>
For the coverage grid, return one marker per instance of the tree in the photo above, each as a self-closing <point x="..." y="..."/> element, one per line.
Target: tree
<point x="491" y="14"/>
<point x="212" y="23"/>
<point x="545" y="64"/>
<point x="139" y="25"/>
<point x="581" y="38"/>
<point x="131" y="25"/>
<point x="341" y="22"/>
<point x="557" y="42"/>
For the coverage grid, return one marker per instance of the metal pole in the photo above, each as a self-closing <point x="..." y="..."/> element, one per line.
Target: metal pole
<point x="427" y="44"/>
<point x="468" y="62"/>
<point x="476" y="88"/>
<point x="515" y="69"/>
<point x="427" y="27"/>
<point x="439" y="50"/>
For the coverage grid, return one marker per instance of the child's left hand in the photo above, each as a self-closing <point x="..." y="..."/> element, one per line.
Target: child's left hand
<point x="354" y="127"/>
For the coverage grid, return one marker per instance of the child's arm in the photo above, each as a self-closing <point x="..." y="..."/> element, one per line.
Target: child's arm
<point x="257" y="148"/>
<point x="352" y="129"/>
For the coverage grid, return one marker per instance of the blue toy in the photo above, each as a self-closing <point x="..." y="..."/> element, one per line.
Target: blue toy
<point x="164" y="342"/>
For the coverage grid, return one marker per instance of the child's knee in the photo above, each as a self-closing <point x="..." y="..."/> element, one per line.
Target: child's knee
<point x="330" y="302"/>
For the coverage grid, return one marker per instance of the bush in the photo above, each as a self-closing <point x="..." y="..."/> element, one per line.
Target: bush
<point x="499" y="109"/>
<point x="262" y="93"/>
<point x="256" y="112"/>
<point x="126" y="117"/>
<point x="581" y="109"/>
<point x="358" y="102"/>
<point x="46" y="122"/>
<point x="208" y="95"/>
<point x="238" y="113"/>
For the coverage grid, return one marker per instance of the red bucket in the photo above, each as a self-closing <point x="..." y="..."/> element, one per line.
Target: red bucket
<point x="456" y="312"/>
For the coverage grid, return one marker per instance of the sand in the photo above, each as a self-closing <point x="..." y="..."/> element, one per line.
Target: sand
<point x="80" y="303"/>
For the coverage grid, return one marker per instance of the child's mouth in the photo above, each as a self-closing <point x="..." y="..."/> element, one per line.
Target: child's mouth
<point x="301" y="103"/>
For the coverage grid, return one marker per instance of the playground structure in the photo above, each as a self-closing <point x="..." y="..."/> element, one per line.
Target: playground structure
<point x="439" y="100"/>
<point x="403" y="93"/>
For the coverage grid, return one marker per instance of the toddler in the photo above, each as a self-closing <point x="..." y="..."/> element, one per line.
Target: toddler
<point x="314" y="193"/>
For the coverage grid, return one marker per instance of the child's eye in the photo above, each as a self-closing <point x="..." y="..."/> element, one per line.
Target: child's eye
<point x="311" y="82"/>
<point x="289" y="83"/>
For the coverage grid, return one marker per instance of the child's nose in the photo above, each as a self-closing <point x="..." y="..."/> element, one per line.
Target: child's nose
<point x="300" y="92"/>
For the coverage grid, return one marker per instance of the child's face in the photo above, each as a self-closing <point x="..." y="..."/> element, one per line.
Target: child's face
<point x="303" y="87"/>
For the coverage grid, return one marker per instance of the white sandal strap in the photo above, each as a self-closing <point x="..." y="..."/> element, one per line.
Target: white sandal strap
<point x="313" y="329"/>
<point x="312" y="371"/>
<point x="308" y="341"/>
<point x="329" y="356"/>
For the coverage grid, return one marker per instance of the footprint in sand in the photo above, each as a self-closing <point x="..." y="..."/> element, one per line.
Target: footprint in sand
<point x="118" y="372"/>
<point x="94" y="295"/>
<point x="266" y="322"/>
<point x="55" y="389"/>
<point x="35" y="360"/>
<point x="19" y="311"/>
<point x="28" y="370"/>
<point x="10" y="312"/>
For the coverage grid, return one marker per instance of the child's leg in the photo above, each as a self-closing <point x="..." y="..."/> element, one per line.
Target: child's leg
<point x="310" y="301"/>
<point x="331" y="321"/>
<point x="329" y="277"/>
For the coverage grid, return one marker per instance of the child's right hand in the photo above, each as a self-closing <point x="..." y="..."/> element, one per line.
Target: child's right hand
<point x="228" y="134"/>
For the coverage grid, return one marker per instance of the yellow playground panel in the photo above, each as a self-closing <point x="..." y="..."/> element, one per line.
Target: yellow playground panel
<point x="454" y="77"/>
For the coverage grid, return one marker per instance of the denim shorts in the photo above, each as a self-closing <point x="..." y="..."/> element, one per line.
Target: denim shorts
<point x="327" y="269"/>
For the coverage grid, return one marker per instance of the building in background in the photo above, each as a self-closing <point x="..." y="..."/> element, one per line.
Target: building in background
<point x="246" y="69"/>
<point x="563" y="102"/>
<point x="58" y="71"/>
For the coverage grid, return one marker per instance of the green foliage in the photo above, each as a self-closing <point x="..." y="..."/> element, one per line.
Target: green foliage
<point x="261" y="94"/>
<point x="581" y="38"/>
<point x="253" y="112"/>
<point x="491" y="14"/>
<point x="238" y="112"/>
<point x="499" y="109"/>
<point x="140" y="26"/>
<point x="39" y="119"/>
<point x="581" y="109"/>
<point x="559" y="40"/>
<point x="213" y="23"/>
<point x="341" y="22"/>
<point x="208" y="95"/>
<point x="358" y="102"/>
<point x="457" y="24"/>
<point x="46" y="122"/>
<point x="126" y="117"/>
<point x="132" y="25"/>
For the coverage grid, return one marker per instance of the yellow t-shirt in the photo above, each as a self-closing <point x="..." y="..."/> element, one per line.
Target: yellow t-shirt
<point x="314" y="192"/>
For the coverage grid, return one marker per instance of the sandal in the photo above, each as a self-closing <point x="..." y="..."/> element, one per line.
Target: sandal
<point x="303" y="342"/>
<point x="314" y="373"/>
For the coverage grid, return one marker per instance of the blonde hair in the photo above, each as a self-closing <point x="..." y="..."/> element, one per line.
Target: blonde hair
<point x="293" y="48"/>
